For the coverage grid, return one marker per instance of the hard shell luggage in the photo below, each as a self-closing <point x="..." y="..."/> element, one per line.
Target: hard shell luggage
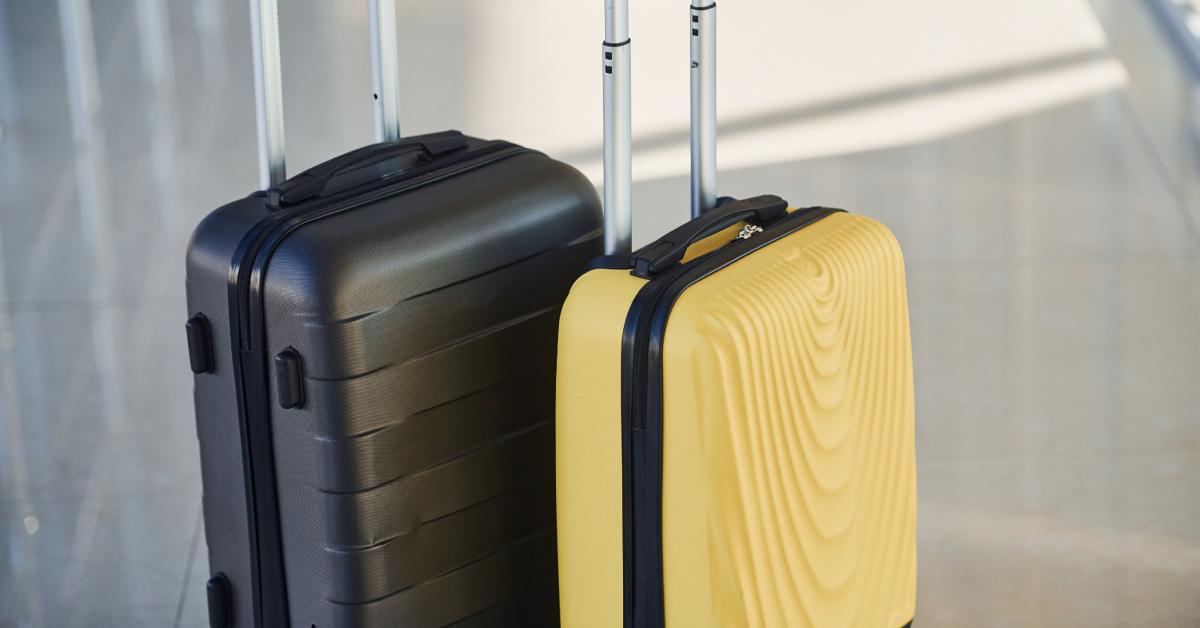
<point x="735" y="412"/>
<point x="373" y="342"/>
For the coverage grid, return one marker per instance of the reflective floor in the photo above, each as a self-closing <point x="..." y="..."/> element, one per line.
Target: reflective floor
<point x="1047" y="196"/>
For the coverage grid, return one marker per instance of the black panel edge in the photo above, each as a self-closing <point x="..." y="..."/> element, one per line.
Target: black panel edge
<point x="267" y="588"/>
<point x="629" y="343"/>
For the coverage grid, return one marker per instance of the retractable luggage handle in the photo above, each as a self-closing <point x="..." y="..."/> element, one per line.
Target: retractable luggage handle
<point x="618" y="132"/>
<point x="704" y="107"/>
<point x="618" y="141"/>
<point x="268" y="85"/>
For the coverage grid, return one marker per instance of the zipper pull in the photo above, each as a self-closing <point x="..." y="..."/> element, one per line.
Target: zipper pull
<point x="748" y="231"/>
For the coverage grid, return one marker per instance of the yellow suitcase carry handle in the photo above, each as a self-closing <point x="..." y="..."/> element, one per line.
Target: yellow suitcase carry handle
<point x="669" y="250"/>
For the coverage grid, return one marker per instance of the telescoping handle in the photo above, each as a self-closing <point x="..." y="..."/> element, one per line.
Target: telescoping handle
<point x="618" y="140"/>
<point x="385" y="69"/>
<point x="704" y="107"/>
<point x="268" y="91"/>
<point x="618" y="132"/>
<point x="268" y="85"/>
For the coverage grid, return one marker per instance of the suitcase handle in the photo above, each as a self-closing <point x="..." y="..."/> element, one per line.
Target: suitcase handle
<point x="385" y="69"/>
<point x="268" y="85"/>
<point x="669" y="250"/>
<point x="704" y="106"/>
<point x="268" y="91"/>
<point x="317" y="181"/>
<point x="618" y="130"/>
<point x="618" y="134"/>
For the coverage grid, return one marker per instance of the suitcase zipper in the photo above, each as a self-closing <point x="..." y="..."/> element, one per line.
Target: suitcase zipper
<point x="748" y="232"/>
<point x="642" y="436"/>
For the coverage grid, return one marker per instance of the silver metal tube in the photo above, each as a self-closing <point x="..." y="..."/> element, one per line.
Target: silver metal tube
<point x="268" y="91"/>
<point x="616" y="21"/>
<point x="618" y="131"/>
<point x="618" y="149"/>
<point x="703" y="24"/>
<point x="385" y="69"/>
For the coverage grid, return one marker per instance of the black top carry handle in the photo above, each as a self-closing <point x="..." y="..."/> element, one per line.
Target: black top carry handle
<point x="669" y="250"/>
<point x="325" y="178"/>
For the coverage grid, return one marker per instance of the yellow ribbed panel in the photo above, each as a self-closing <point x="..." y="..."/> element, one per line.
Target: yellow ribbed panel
<point x="588" y="448"/>
<point x="789" y="474"/>
<point x="789" y="479"/>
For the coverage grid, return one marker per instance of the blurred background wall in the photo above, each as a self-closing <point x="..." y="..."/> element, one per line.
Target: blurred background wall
<point x="1036" y="159"/>
<point x="797" y="79"/>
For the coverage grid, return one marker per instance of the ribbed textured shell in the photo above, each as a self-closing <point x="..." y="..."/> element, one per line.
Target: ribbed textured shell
<point x="807" y="430"/>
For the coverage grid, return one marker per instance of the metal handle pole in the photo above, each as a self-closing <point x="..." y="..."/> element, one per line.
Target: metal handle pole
<point x="385" y="69"/>
<point x="268" y="91"/>
<point x="618" y="132"/>
<point x="703" y="24"/>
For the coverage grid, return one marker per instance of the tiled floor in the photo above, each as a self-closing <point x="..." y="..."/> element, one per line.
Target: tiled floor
<point x="1054" y="279"/>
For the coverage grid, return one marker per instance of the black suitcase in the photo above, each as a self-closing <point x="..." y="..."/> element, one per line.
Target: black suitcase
<point x="373" y="343"/>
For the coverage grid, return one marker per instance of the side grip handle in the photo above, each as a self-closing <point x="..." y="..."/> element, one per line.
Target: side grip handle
<point x="199" y="339"/>
<point x="669" y="250"/>
<point x="289" y="379"/>
<point x="219" y="613"/>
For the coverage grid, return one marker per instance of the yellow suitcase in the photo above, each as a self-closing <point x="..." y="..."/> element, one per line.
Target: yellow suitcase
<point x="735" y="413"/>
